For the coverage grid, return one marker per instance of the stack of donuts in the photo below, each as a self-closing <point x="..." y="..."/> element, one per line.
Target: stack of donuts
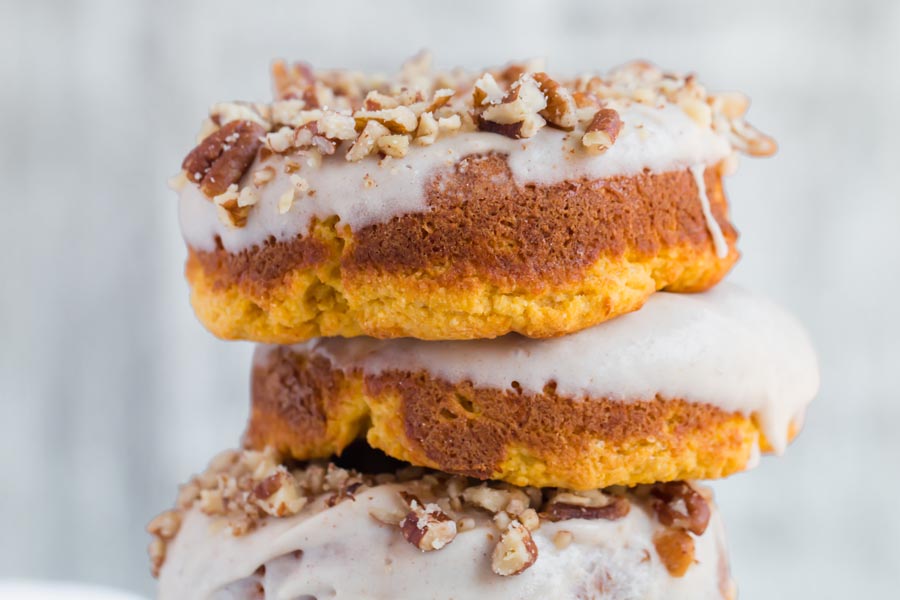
<point x="494" y="359"/>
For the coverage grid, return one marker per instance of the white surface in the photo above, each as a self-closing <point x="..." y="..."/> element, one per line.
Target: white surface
<point x="111" y="393"/>
<point x="726" y="347"/>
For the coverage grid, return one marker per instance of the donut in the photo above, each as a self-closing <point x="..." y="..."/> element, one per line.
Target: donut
<point x="692" y="386"/>
<point x="252" y="527"/>
<point x="457" y="206"/>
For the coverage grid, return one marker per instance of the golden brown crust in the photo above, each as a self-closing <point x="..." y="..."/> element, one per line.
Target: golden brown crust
<point x="570" y="255"/>
<point x="526" y="439"/>
<point x="482" y="224"/>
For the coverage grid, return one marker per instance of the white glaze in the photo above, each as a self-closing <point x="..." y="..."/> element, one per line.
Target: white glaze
<point x="725" y="347"/>
<point x="347" y="554"/>
<point x="658" y="139"/>
<point x="715" y="231"/>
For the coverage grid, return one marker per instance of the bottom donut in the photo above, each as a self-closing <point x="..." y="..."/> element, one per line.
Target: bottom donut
<point x="367" y="527"/>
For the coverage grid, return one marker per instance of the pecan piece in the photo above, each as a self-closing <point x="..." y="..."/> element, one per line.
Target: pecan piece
<point x="562" y="511"/>
<point x="680" y="506"/>
<point x="290" y="81"/>
<point x="602" y="131"/>
<point x="510" y="130"/>
<point x="518" y="114"/>
<point x="515" y="552"/>
<point x="426" y="526"/>
<point x="560" y="110"/>
<point x="676" y="550"/>
<point x="224" y="156"/>
<point x="278" y="494"/>
<point x="400" y="119"/>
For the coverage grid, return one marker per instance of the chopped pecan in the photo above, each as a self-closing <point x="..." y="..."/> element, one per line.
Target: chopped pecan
<point x="617" y="508"/>
<point x="518" y="114"/>
<point x="337" y="127"/>
<point x="366" y="142"/>
<point x="440" y="98"/>
<point x="562" y="539"/>
<point x="222" y="113"/>
<point x="399" y="120"/>
<point x="290" y="81"/>
<point x="560" y="111"/>
<point x="223" y="157"/>
<point x="394" y="145"/>
<point x="229" y="208"/>
<point x="426" y="527"/>
<point x="427" y="131"/>
<point x="165" y="525"/>
<point x="278" y="494"/>
<point x="678" y="505"/>
<point x="483" y="496"/>
<point x="585" y="100"/>
<point x="676" y="550"/>
<point x="510" y="130"/>
<point x="486" y="91"/>
<point x="515" y="552"/>
<point x="157" y="552"/>
<point x="375" y="100"/>
<point x="602" y="131"/>
<point x="749" y="140"/>
<point x="698" y="110"/>
<point x="286" y="200"/>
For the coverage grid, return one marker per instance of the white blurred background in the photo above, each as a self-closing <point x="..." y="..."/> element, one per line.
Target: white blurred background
<point x="111" y="393"/>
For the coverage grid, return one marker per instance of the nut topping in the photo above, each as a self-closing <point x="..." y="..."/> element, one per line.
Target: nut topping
<point x="223" y="157"/>
<point x="517" y="115"/>
<point x="680" y="506"/>
<point x="515" y="552"/>
<point x="562" y="539"/>
<point x="426" y="527"/>
<point x="229" y="206"/>
<point x="676" y="550"/>
<point x="278" y="494"/>
<point x="560" y="110"/>
<point x="399" y="120"/>
<point x="244" y="489"/>
<point x="602" y="131"/>
<point x="319" y="116"/>
<point x="366" y="142"/>
<point x="615" y="509"/>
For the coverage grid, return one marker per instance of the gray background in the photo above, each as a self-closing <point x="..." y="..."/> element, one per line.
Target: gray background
<point x="111" y="392"/>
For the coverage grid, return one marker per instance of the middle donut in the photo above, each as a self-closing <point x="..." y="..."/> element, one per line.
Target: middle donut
<point x="692" y="386"/>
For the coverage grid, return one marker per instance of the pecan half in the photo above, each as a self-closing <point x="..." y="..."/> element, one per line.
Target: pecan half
<point x="224" y="156"/>
<point x="680" y="506"/>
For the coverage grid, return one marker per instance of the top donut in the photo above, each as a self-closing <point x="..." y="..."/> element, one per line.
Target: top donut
<point x="453" y="205"/>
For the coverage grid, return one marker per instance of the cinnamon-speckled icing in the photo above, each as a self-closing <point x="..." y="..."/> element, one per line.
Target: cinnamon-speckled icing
<point x="345" y="553"/>
<point x="726" y="347"/>
<point x="658" y="139"/>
